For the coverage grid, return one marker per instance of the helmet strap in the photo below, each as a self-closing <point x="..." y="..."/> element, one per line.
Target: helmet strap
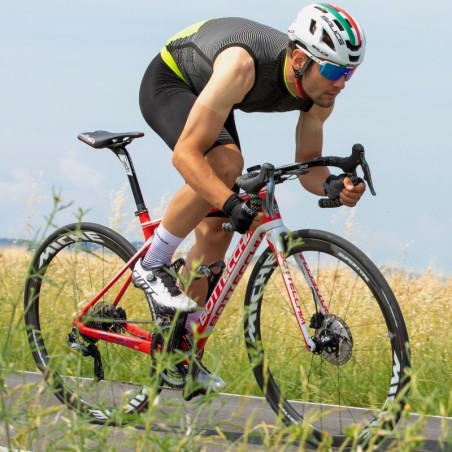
<point x="300" y="89"/>
<point x="299" y="75"/>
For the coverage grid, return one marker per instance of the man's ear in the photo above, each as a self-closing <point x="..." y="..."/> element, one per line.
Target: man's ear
<point x="299" y="59"/>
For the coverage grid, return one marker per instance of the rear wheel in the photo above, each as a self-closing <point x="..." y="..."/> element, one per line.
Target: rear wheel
<point x="356" y="383"/>
<point x="67" y="271"/>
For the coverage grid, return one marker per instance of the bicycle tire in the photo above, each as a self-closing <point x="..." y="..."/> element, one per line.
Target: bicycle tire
<point x="70" y="267"/>
<point x="343" y="397"/>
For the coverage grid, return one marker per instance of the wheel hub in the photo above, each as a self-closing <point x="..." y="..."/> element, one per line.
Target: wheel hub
<point x="333" y="339"/>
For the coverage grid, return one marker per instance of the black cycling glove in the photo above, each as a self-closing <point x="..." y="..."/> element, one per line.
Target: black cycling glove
<point x="239" y="212"/>
<point x="333" y="185"/>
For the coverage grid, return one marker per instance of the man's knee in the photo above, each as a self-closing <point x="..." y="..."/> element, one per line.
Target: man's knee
<point x="210" y="235"/>
<point x="210" y="231"/>
<point x="227" y="161"/>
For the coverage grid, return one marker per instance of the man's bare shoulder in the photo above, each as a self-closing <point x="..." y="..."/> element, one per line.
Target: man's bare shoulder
<point x="234" y="57"/>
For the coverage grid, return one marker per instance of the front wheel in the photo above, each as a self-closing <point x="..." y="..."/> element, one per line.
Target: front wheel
<point x="67" y="271"/>
<point x="356" y="383"/>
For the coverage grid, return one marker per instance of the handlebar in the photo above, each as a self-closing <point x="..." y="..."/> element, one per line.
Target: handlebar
<point x="258" y="177"/>
<point x="349" y="165"/>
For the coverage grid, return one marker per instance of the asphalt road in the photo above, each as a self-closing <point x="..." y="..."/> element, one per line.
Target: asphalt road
<point x="231" y="413"/>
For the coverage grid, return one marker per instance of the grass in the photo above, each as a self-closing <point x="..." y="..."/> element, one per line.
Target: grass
<point x="424" y="299"/>
<point x="425" y="303"/>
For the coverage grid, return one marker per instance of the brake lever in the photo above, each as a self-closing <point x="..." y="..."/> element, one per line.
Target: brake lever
<point x="252" y="183"/>
<point x="358" y="159"/>
<point x="349" y="166"/>
<point x="367" y="176"/>
<point x="269" y="200"/>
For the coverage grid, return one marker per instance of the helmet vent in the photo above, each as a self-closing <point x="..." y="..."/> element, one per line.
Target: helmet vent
<point x="313" y="26"/>
<point x="352" y="47"/>
<point x="339" y="25"/>
<point x="327" y="40"/>
<point x="324" y="11"/>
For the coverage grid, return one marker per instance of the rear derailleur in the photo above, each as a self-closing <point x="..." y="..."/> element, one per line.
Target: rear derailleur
<point x="102" y="316"/>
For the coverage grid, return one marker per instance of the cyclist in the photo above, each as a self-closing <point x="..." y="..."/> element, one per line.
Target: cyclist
<point x="188" y="96"/>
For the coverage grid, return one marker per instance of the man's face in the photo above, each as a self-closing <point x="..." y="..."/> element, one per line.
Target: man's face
<point x="321" y="90"/>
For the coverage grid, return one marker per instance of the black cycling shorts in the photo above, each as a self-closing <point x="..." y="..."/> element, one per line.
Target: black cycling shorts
<point x="166" y="101"/>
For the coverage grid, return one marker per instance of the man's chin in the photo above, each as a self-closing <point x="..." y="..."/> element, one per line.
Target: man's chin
<point x="324" y="103"/>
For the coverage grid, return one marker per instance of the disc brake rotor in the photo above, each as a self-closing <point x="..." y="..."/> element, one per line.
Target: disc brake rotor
<point x="337" y="337"/>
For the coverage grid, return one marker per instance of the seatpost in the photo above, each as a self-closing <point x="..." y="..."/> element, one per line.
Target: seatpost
<point x="126" y="160"/>
<point x="142" y="211"/>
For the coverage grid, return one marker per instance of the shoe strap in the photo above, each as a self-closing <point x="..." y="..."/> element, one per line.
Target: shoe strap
<point x="208" y="271"/>
<point x="177" y="264"/>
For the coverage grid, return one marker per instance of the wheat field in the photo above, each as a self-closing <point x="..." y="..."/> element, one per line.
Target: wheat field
<point x="425" y="301"/>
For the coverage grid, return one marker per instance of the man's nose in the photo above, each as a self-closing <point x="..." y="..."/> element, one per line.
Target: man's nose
<point x="340" y="82"/>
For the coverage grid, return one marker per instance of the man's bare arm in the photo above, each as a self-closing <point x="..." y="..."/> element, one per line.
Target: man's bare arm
<point x="232" y="78"/>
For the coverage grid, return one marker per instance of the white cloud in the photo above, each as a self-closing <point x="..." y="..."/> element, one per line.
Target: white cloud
<point x="19" y="185"/>
<point x="79" y="173"/>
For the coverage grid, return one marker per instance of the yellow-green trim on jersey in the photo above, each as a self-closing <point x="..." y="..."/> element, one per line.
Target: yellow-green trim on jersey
<point x="285" y="77"/>
<point x="165" y="53"/>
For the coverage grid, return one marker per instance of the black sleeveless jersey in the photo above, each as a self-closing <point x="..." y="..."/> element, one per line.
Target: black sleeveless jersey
<point x="191" y="54"/>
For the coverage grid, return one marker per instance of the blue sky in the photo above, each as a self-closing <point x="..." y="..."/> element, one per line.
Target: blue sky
<point x="75" y="66"/>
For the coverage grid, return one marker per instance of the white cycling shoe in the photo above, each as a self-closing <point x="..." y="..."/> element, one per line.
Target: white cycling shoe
<point x="160" y="284"/>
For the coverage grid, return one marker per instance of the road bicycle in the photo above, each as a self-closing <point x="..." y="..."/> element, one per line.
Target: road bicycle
<point x="324" y="333"/>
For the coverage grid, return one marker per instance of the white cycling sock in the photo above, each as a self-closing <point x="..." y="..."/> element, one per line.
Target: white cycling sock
<point x="162" y="248"/>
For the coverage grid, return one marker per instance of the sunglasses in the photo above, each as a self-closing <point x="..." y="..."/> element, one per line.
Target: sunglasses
<point x="332" y="71"/>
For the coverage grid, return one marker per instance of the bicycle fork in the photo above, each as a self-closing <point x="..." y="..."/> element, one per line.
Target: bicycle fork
<point x="280" y="249"/>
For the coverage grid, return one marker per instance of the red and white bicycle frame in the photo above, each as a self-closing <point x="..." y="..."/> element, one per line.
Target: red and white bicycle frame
<point x="271" y="229"/>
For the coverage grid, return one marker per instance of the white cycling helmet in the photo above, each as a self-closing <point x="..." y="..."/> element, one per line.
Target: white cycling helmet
<point x="329" y="33"/>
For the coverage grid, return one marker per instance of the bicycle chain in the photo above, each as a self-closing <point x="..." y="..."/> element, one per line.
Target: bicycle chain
<point x="157" y="322"/>
<point x="118" y="321"/>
